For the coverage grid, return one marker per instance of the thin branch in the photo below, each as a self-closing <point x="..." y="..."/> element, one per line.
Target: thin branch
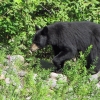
<point x="46" y="9"/>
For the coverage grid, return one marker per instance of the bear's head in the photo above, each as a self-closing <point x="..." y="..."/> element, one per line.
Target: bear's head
<point x="40" y="39"/>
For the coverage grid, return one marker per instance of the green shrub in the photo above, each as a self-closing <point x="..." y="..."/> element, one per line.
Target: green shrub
<point x="18" y="18"/>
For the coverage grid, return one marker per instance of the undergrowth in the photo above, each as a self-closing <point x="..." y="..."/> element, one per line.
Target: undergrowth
<point x="33" y="86"/>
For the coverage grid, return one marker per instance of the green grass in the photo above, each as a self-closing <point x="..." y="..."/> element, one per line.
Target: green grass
<point x="33" y="86"/>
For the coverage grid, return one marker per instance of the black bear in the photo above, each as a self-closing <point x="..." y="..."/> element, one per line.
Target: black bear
<point x="67" y="39"/>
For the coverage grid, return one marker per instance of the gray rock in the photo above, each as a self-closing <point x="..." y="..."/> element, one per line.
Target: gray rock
<point x="95" y="76"/>
<point x="98" y="85"/>
<point x="52" y="82"/>
<point x="28" y="98"/>
<point x="22" y="73"/>
<point x="53" y="75"/>
<point x="1" y="65"/>
<point x="12" y="59"/>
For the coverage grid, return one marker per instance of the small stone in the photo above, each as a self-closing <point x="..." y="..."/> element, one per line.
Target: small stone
<point x="63" y="79"/>
<point x="61" y="75"/>
<point x="2" y="77"/>
<point x="22" y="73"/>
<point x="70" y="89"/>
<point x="74" y="59"/>
<point x="28" y="98"/>
<point x="19" y="87"/>
<point x="11" y="59"/>
<point x="6" y="68"/>
<point x="7" y="80"/>
<point x="26" y="64"/>
<point x="1" y="65"/>
<point x="53" y="75"/>
<point x="98" y="75"/>
<point x="4" y="72"/>
<point x="95" y="76"/>
<point x="98" y="84"/>
<point x="34" y="76"/>
<point x="52" y="82"/>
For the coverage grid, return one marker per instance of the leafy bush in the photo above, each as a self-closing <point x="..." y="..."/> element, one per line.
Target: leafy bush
<point x="33" y="85"/>
<point x="18" y="18"/>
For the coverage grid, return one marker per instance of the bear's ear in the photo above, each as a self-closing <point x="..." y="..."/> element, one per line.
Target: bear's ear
<point x="45" y="30"/>
<point x="37" y="28"/>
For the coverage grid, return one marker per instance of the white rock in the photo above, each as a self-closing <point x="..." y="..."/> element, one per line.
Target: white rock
<point x="2" y="77"/>
<point x="98" y="74"/>
<point x="4" y="72"/>
<point x="19" y="87"/>
<point x="60" y="75"/>
<point x="13" y="58"/>
<point x="22" y="73"/>
<point x="95" y="76"/>
<point x="17" y="90"/>
<point x="53" y="75"/>
<point x="52" y="82"/>
<point x="28" y="98"/>
<point x="34" y="76"/>
<point x="1" y="65"/>
<point x="63" y="79"/>
<point x="70" y="89"/>
<point x="98" y="84"/>
<point x="74" y="59"/>
<point x="7" y="80"/>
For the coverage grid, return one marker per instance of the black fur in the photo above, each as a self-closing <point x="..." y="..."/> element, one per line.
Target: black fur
<point x="68" y="38"/>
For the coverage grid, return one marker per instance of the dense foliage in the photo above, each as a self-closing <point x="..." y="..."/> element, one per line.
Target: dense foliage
<point x="18" y="18"/>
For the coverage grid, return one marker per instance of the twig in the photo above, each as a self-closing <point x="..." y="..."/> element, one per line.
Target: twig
<point x="46" y="9"/>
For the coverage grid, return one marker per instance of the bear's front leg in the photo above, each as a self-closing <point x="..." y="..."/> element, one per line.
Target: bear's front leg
<point x="57" y="64"/>
<point x="59" y="59"/>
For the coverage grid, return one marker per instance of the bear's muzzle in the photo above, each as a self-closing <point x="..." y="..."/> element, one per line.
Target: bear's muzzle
<point x="34" y="47"/>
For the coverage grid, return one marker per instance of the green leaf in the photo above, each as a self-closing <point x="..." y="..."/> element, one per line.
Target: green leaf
<point x="18" y="1"/>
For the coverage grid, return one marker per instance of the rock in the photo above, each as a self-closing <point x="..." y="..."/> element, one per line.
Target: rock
<point x="52" y="82"/>
<point x="74" y="59"/>
<point x="62" y="79"/>
<point x="95" y="76"/>
<point x="62" y="76"/>
<point x="7" y="80"/>
<point x="34" y="76"/>
<point x="7" y="69"/>
<point x="70" y="89"/>
<point x="1" y="65"/>
<point x="28" y="98"/>
<point x="98" y="85"/>
<point x="53" y="75"/>
<point x="17" y="90"/>
<point x="12" y="59"/>
<point x="4" y="72"/>
<point x="56" y="79"/>
<point x="2" y="77"/>
<point x="22" y="73"/>
<point x="26" y="64"/>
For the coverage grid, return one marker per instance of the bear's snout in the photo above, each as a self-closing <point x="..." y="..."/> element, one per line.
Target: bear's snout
<point x="34" y="47"/>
